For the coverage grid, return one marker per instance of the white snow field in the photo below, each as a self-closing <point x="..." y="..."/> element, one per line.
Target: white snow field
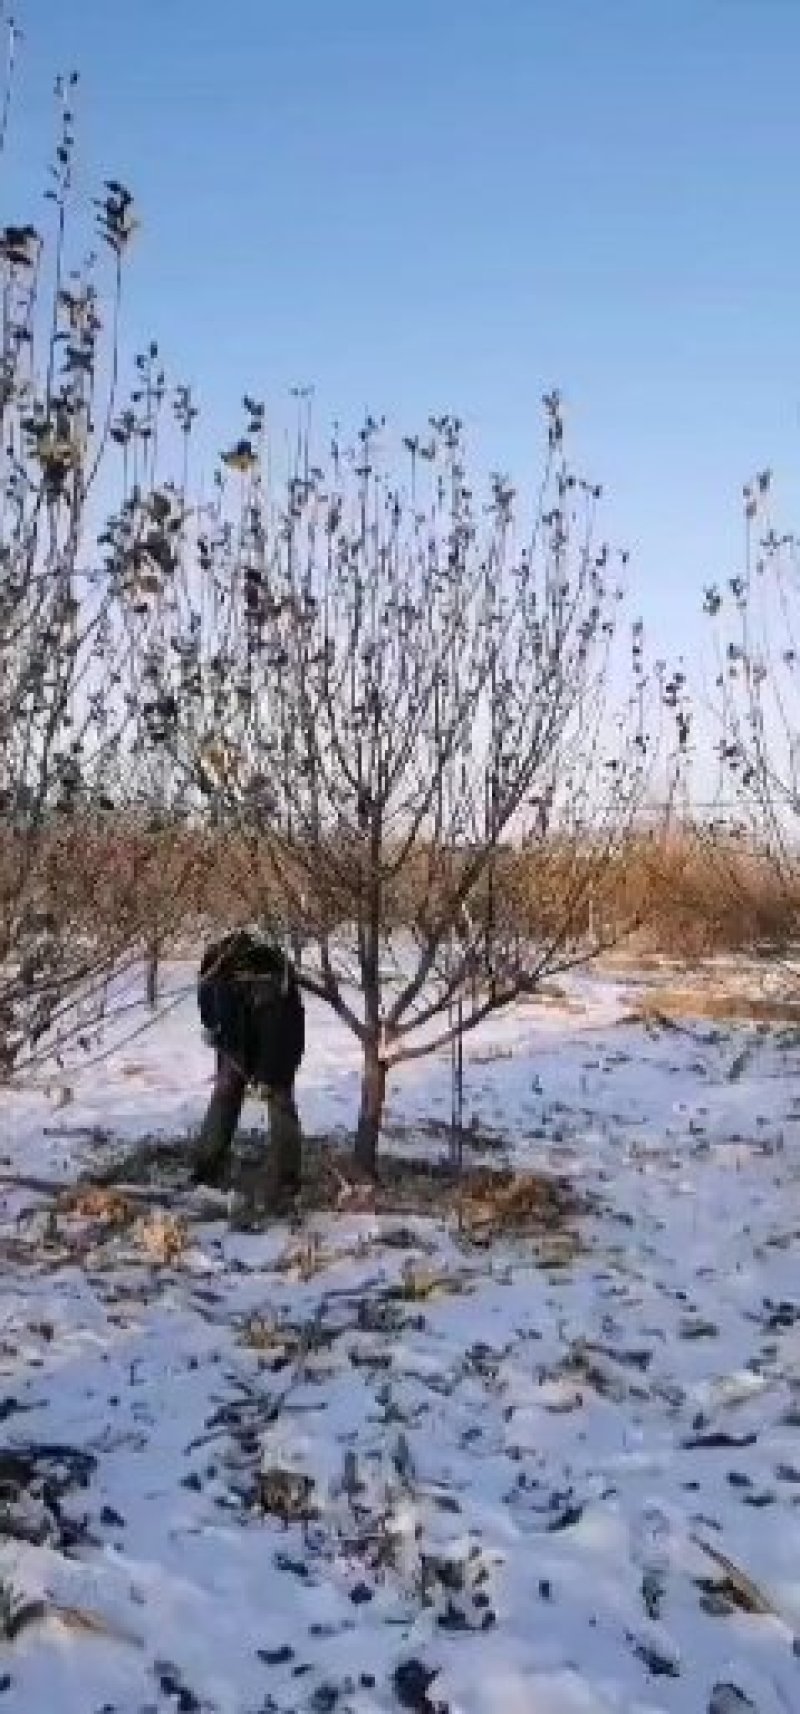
<point x="366" y="1464"/>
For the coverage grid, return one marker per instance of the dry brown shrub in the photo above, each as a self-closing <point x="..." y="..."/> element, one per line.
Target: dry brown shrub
<point x="163" y="1237"/>
<point x="694" y="896"/>
<point x="110" y="1207"/>
<point x="519" y="1202"/>
<point x="679" y="893"/>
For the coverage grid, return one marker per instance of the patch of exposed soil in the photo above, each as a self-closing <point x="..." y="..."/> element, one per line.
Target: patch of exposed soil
<point x="489" y="1199"/>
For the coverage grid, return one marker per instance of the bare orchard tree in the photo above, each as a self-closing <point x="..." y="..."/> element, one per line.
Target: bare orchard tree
<point x="401" y="696"/>
<point x="756" y="691"/>
<point x="57" y="385"/>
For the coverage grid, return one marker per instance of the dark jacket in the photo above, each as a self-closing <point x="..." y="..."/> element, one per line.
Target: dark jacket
<point x="251" y="1007"/>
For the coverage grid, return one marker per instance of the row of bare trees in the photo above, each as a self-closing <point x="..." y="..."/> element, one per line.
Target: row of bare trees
<point x="381" y="680"/>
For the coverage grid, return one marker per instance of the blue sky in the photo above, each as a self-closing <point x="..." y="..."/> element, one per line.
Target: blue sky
<point x="454" y="204"/>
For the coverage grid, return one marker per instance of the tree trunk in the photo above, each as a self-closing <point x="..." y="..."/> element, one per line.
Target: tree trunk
<point x="151" y="973"/>
<point x="213" y="1150"/>
<point x="373" y="1096"/>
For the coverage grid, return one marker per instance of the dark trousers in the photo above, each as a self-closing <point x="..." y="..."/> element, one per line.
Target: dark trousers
<point x="214" y="1144"/>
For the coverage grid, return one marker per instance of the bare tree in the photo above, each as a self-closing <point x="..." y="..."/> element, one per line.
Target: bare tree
<point x="405" y="700"/>
<point x="756" y="690"/>
<point x="58" y="376"/>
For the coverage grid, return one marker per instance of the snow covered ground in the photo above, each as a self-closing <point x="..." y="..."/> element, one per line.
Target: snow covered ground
<point x="250" y="1472"/>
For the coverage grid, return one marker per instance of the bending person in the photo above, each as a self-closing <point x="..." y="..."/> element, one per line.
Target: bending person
<point x="252" y="1011"/>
